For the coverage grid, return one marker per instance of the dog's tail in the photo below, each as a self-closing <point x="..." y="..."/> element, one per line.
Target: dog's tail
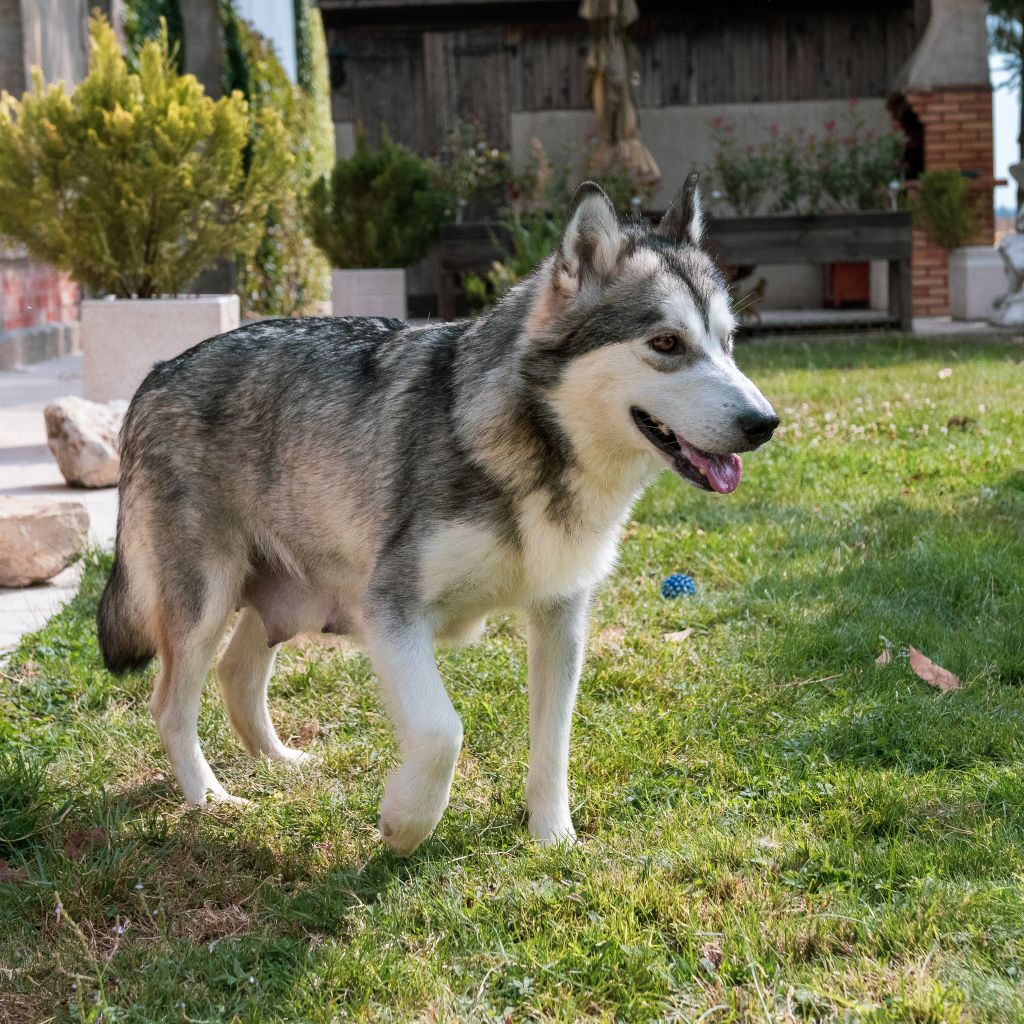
<point x="122" y="631"/>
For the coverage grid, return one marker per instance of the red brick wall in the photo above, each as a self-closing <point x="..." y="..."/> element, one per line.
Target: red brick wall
<point x="957" y="136"/>
<point x="34" y="293"/>
<point x="930" y="277"/>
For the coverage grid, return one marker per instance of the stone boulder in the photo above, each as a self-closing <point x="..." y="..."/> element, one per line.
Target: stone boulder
<point x="83" y="437"/>
<point x="39" y="538"/>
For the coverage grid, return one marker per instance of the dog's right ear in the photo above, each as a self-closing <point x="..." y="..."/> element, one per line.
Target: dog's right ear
<point x="589" y="249"/>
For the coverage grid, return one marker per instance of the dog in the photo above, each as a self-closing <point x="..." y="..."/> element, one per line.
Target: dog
<point x="396" y="483"/>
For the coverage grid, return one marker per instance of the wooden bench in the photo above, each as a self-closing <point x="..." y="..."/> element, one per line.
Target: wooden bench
<point x="822" y="238"/>
<point x="735" y="241"/>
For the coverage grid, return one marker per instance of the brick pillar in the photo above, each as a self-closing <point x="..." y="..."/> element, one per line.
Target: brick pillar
<point x="957" y="129"/>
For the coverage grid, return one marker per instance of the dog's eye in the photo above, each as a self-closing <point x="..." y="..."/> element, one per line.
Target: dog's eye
<point x="666" y="343"/>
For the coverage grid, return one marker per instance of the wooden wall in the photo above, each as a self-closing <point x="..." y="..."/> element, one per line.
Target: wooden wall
<point x="419" y="79"/>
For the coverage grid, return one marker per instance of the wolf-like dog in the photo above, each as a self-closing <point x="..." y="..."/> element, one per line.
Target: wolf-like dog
<point x="396" y="483"/>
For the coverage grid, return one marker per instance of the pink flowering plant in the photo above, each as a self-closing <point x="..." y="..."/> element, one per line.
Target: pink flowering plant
<point x="745" y="174"/>
<point x="807" y="172"/>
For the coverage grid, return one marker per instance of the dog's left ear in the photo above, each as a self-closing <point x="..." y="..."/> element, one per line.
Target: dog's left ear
<point x="683" y="222"/>
<point x="590" y="245"/>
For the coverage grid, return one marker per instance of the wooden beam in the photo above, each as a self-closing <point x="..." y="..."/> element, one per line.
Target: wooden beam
<point x="831" y="238"/>
<point x="371" y="5"/>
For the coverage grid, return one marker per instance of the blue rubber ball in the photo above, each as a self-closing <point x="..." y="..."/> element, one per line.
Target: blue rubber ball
<point x="678" y="585"/>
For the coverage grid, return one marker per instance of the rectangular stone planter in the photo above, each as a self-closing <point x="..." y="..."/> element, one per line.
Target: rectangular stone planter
<point x="976" y="280"/>
<point x="368" y="293"/>
<point x="123" y="338"/>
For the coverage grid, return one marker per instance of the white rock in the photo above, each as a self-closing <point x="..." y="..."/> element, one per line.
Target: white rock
<point x="83" y="437"/>
<point x="1010" y="307"/>
<point x="39" y="538"/>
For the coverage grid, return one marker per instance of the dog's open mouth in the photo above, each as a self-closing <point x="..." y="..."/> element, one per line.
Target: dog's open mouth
<point x="703" y="469"/>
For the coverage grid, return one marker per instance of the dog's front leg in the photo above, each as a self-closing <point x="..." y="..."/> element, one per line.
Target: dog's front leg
<point x="428" y="730"/>
<point x="556" y="634"/>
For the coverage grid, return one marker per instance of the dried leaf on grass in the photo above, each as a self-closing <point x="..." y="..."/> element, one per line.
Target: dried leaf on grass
<point x="935" y="675"/>
<point x="612" y="638"/>
<point x="213" y="922"/>
<point x="307" y="733"/>
<point x="712" y="952"/>
<point x="884" y="658"/>
<point x="78" y="841"/>
<point x="9" y="874"/>
<point x="679" y="636"/>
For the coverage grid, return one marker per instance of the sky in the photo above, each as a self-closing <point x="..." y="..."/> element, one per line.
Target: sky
<point x="1005" y="123"/>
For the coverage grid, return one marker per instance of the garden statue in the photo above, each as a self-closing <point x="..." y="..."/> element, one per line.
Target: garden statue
<point x="1010" y="307"/>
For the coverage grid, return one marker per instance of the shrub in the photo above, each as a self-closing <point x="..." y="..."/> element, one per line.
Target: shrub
<point x="476" y="173"/>
<point x="943" y="209"/>
<point x="744" y="174"/>
<point x="807" y="172"/>
<point x="135" y="182"/>
<point x="286" y="275"/>
<point x="479" y="182"/>
<point x="380" y="208"/>
<point x="531" y="237"/>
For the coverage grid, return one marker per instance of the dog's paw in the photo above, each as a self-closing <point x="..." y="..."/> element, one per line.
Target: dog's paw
<point x="290" y="756"/>
<point x="402" y="836"/>
<point x="553" y="827"/>
<point x="404" y="824"/>
<point x="221" y="798"/>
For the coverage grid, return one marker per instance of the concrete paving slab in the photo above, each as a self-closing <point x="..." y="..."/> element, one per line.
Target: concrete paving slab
<point x="28" y="469"/>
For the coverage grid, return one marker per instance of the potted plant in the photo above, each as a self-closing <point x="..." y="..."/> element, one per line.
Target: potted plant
<point x="374" y="215"/>
<point x="943" y="210"/>
<point x="815" y="197"/>
<point x="134" y="183"/>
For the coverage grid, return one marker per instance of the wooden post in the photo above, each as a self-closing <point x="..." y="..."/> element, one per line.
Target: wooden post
<point x="901" y="297"/>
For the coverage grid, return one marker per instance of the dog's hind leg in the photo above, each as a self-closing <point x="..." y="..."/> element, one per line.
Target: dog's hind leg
<point x="428" y="729"/>
<point x="186" y="650"/>
<point x="244" y="672"/>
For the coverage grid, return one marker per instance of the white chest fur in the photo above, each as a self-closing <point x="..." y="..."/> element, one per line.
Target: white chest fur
<point x="467" y="569"/>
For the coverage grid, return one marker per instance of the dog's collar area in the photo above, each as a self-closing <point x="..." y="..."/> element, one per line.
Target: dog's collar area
<point x="706" y="470"/>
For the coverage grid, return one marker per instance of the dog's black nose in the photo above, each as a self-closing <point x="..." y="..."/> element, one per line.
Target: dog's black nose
<point x="758" y="427"/>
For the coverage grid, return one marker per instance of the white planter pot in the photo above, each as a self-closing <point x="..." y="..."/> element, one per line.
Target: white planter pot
<point x="976" y="280"/>
<point x="123" y="338"/>
<point x="368" y="293"/>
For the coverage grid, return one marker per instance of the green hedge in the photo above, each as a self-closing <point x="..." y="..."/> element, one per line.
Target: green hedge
<point x="288" y="275"/>
<point x="285" y="275"/>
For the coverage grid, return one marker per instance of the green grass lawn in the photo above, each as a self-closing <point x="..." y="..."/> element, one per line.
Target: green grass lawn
<point x="773" y="828"/>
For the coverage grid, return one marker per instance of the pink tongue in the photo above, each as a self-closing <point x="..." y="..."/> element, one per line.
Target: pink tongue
<point x="723" y="472"/>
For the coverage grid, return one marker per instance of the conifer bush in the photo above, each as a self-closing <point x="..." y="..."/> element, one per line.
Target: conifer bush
<point x="943" y="209"/>
<point x="379" y="208"/>
<point x="137" y="180"/>
<point x="286" y="274"/>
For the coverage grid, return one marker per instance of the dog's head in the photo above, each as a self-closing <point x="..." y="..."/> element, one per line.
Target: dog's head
<point x="631" y="332"/>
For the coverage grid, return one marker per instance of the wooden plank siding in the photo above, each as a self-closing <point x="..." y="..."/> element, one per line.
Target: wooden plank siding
<point x="418" y="79"/>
